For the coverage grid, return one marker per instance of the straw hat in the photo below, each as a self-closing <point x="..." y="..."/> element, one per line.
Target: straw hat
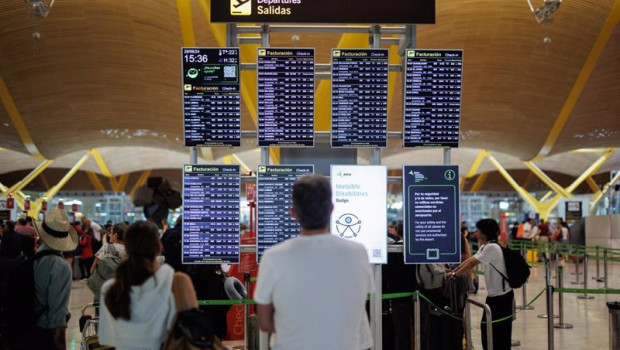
<point x="56" y="231"/>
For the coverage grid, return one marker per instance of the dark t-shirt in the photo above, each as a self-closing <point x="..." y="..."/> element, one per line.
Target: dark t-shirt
<point x="11" y="245"/>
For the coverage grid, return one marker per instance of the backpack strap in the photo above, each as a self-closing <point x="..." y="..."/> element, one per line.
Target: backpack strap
<point x="504" y="277"/>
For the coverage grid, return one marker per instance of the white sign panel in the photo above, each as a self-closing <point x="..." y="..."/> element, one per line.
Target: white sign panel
<point x="360" y="207"/>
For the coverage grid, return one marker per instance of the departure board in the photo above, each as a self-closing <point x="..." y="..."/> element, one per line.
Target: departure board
<point x="432" y="98"/>
<point x="285" y="97"/>
<point x="211" y="208"/>
<point x="211" y="97"/>
<point x="359" y="97"/>
<point x="275" y="187"/>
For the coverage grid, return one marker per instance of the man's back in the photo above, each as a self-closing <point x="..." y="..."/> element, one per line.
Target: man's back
<point x="318" y="286"/>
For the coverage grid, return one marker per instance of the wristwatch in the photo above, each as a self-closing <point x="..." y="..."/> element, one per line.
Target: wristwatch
<point x="453" y="274"/>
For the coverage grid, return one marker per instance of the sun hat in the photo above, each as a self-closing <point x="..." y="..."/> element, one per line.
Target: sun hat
<point x="56" y="231"/>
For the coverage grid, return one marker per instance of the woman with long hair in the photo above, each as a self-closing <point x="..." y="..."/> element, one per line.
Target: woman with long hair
<point x="138" y="305"/>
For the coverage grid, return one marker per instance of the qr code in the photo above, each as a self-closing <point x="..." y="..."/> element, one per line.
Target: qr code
<point x="376" y="253"/>
<point x="230" y="72"/>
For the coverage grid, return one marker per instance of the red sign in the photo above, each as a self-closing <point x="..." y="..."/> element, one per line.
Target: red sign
<point x="10" y="202"/>
<point x="26" y="204"/>
<point x="61" y="205"/>
<point x="250" y="192"/>
<point x="74" y="207"/>
<point x="44" y="205"/>
<point x="503" y="227"/>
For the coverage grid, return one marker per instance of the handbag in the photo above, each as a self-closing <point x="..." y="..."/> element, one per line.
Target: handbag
<point x="191" y="329"/>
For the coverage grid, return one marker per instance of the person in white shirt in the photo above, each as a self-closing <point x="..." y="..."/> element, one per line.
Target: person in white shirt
<point x="95" y="226"/>
<point x="500" y="297"/>
<point x="312" y="289"/>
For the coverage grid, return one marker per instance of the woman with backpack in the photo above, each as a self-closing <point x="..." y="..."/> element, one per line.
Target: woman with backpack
<point x="138" y="305"/>
<point x="107" y="259"/>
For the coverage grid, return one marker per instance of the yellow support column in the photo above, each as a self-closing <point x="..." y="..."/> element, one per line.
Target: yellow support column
<point x="479" y="182"/>
<point x="94" y="179"/>
<point x="141" y="181"/>
<point x="593" y="185"/>
<point x="599" y="195"/>
<point x="29" y="178"/>
<point x="547" y="180"/>
<point x="36" y="206"/>
<point x="18" y="199"/>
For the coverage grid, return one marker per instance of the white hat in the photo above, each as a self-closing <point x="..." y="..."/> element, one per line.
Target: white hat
<point x="56" y="231"/>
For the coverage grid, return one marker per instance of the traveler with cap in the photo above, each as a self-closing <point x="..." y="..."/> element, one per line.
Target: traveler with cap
<point x="52" y="280"/>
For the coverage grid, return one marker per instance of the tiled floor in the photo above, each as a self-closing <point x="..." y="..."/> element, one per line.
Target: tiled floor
<point x="589" y="317"/>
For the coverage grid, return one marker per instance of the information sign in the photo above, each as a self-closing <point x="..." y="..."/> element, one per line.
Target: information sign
<point x="211" y="206"/>
<point x="431" y="212"/>
<point x="275" y="187"/>
<point x="211" y="97"/>
<point x="432" y="98"/>
<point x="285" y="97"/>
<point x="360" y="207"/>
<point x="323" y="11"/>
<point x="359" y="97"/>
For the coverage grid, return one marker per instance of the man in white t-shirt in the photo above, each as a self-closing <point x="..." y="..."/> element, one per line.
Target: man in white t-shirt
<point x="95" y="226"/>
<point x="500" y="297"/>
<point x="312" y="289"/>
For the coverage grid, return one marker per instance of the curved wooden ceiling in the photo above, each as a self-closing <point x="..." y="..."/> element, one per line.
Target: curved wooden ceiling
<point x="106" y="73"/>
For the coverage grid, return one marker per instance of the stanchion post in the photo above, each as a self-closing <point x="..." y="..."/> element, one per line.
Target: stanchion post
<point x="549" y="308"/>
<point x="561" y="324"/>
<point x="548" y="283"/>
<point x="246" y="311"/>
<point x="598" y="265"/>
<point x="577" y="271"/>
<point x="469" y="343"/>
<point x="416" y="320"/>
<point x="605" y="269"/>
<point x="524" y="305"/>
<point x="585" y="278"/>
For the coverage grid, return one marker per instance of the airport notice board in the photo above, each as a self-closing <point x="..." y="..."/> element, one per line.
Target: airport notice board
<point x="275" y="188"/>
<point x="431" y="212"/>
<point x="324" y="11"/>
<point x="211" y="207"/>
<point x="211" y="97"/>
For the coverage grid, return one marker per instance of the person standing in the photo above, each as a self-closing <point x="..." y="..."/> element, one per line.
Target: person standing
<point x="86" y="256"/>
<point x="500" y="297"/>
<point x="312" y="289"/>
<point x="11" y="246"/>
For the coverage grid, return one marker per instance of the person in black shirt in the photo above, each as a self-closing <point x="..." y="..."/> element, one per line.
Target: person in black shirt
<point x="11" y="246"/>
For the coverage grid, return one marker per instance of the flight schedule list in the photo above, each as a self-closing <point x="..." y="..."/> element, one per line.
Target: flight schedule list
<point x="275" y="185"/>
<point x="359" y="97"/>
<point x="211" y="97"/>
<point x="211" y="207"/>
<point x="432" y="98"/>
<point x="285" y="97"/>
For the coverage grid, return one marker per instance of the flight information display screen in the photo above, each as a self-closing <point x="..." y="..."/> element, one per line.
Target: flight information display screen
<point x="211" y="97"/>
<point x="432" y="98"/>
<point x="285" y="97"/>
<point x="359" y="97"/>
<point x="275" y="187"/>
<point x="211" y="207"/>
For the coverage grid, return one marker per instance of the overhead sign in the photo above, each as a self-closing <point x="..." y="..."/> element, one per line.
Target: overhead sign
<point x="324" y="11"/>
<point x="211" y="97"/>
<point x="359" y="97"/>
<point x="431" y="196"/>
<point x="275" y="188"/>
<point x="573" y="211"/>
<point x="359" y="194"/>
<point x="432" y="110"/>
<point x="211" y="207"/>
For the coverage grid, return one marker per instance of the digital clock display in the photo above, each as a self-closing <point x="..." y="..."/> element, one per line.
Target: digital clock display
<point x="211" y="97"/>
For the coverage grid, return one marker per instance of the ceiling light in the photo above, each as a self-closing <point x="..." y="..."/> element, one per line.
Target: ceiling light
<point x="38" y="8"/>
<point x="545" y="11"/>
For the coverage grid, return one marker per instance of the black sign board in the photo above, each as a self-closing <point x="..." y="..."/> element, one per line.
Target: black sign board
<point x="432" y="98"/>
<point x="573" y="211"/>
<point x="211" y="97"/>
<point x="285" y="97"/>
<point x="211" y="207"/>
<point x="359" y="97"/>
<point x="275" y="186"/>
<point x="431" y="196"/>
<point x="324" y="11"/>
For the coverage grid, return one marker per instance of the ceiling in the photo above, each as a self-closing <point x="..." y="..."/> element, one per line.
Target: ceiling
<point x="106" y="74"/>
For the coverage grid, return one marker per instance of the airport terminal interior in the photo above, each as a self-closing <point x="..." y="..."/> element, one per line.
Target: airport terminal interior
<point x="513" y="105"/>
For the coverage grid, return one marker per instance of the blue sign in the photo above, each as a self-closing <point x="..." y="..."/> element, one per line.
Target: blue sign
<point x="431" y="196"/>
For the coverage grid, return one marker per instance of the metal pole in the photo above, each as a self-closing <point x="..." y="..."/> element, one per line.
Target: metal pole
<point x="416" y="320"/>
<point x="598" y="265"/>
<point x="468" y="327"/>
<point x="585" y="278"/>
<point x="246" y="312"/>
<point x="524" y="305"/>
<point x="376" y="320"/>
<point x="193" y="155"/>
<point x="489" y="325"/>
<point x="549" y="309"/>
<point x="264" y="156"/>
<point x="577" y="272"/>
<point x="561" y="325"/>
<point x="605" y="270"/>
<point x="548" y="283"/>
<point x="446" y="156"/>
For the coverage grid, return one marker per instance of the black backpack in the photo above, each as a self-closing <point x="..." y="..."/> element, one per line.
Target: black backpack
<point x="17" y="298"/>
<point x="517" y="269"/>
